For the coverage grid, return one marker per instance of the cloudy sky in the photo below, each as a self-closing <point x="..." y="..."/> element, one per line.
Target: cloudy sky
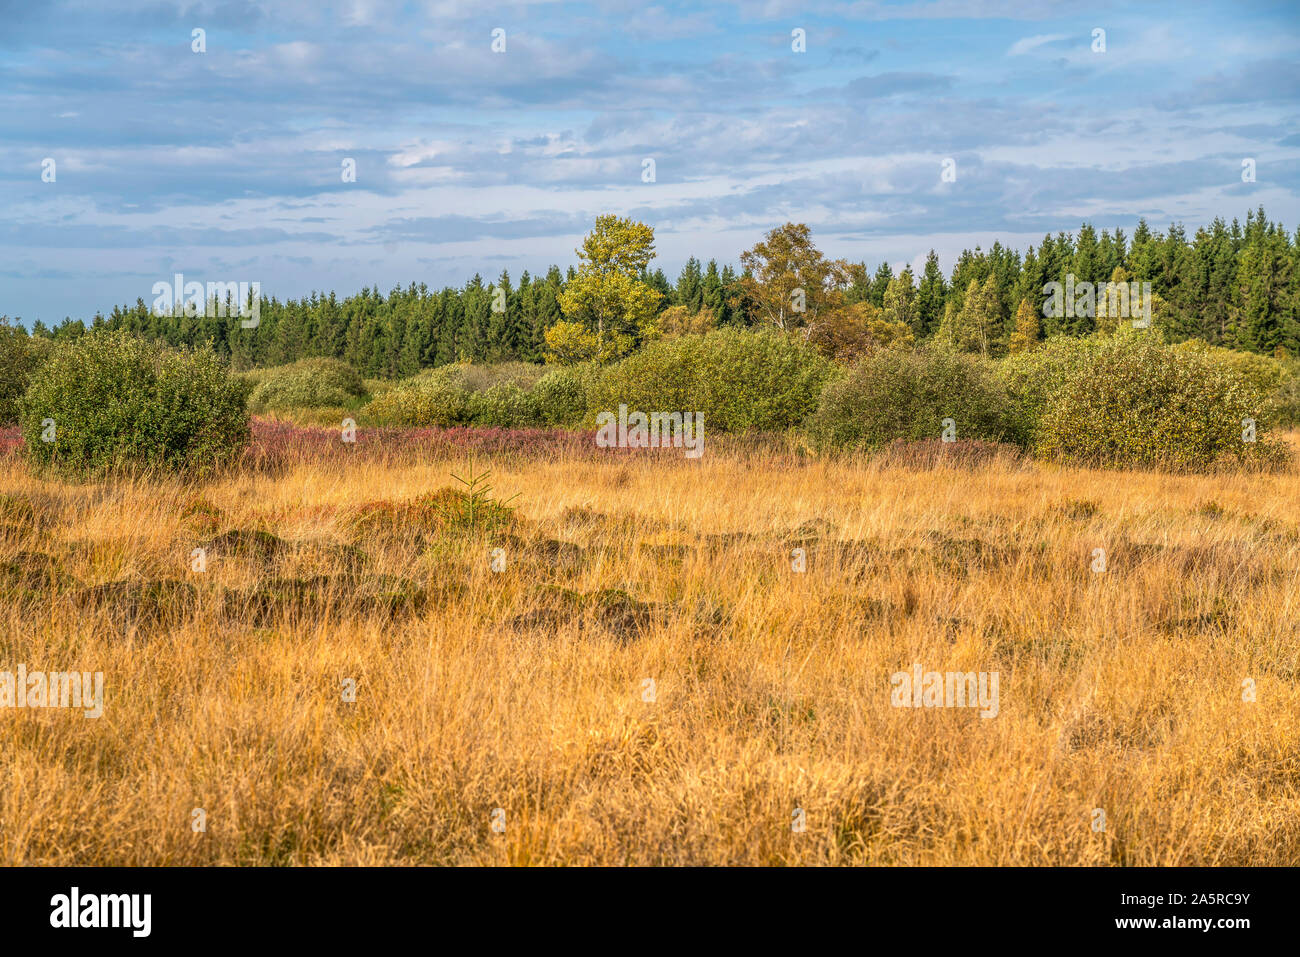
<point x="227" y="165"/>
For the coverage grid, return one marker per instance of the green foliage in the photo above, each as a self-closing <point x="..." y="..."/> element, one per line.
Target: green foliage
<point x="463" y="394"/>
<point x="737" y="379"/>
<point x="1034" y="377"/>
<point x="117" y="401"/>
<point x="607" y="293"/>
<point x="1130" y="401"/>
<point x="906" y="394"/>
<point x="19" y="356"/>
<point x="787" y="282"/>
<point x="1286" y="400"/>
<point x="1261" y="373"/>
<point x="425" y="400"/>
<point x="562" y="394"/>
<point x="504" y="404"/>
<point x="474" y="509"/>
<point x="973" y="326"/>
<point x="1234" y="284"/>
<point x="306" y="384"/>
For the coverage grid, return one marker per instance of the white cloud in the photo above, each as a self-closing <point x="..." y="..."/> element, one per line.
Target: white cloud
<point x="1028" y="44"/>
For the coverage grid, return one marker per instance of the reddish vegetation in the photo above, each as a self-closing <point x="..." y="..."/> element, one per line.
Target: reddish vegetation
<point x="11" y="440"/>
<point x="964" y="453"/>
<point x="278" y="443"/>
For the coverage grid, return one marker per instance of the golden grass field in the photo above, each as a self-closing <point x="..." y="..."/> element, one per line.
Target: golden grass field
<point x="524" y="689"/>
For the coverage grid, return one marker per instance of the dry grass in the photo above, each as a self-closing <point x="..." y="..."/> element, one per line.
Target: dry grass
<point x="524" y="690"/>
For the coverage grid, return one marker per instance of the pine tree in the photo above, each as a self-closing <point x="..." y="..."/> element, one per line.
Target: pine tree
<point x="1262" y="287"/>
<point x="879" y="283"/>
<point x="689" y="291"/>
<point x="930" y="297"/>
<point x="859" y="287"/>
<point x="712" y="296"/>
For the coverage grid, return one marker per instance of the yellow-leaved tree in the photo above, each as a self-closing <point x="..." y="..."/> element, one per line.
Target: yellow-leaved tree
<point x="788" y="282"/>
<point x="607" y="295"/>
<point x="1024" y="338"/>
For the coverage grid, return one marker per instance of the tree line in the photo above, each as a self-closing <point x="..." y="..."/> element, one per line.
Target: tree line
<point x="1236" y="285"/>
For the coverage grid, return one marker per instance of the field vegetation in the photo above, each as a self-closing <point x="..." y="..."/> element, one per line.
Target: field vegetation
<point x="527" y="689"/>
<point x="424" y="618"/>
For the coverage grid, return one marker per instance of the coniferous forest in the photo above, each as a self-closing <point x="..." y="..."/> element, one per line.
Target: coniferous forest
<point x="1232" y="284"/>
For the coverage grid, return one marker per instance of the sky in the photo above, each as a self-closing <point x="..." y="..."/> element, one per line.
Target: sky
<point x="229" y="164"/>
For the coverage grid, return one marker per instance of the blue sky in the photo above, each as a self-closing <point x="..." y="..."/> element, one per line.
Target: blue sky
<point x="226" y="165"/>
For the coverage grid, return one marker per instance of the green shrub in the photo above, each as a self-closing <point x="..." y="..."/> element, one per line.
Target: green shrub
<point x="1034" y="377"/>
<point x="425" y="400"/>
<point x="306" y="384"/>
<point x="562" y="394"/>
<point x="738" y="379"/>
<point x="476" y="378"/>
<point x="113" y="401"/>
<point x="376" y="387"/>
<point x="1286" y="400"/>
<point x="19" y="356"/>
<point x="1259" y="373"/>
<point x="1131" y="401"/>
<point x="906" y="394"/>
<point x="1262" y="373"/>
<point x="504" y="404"/>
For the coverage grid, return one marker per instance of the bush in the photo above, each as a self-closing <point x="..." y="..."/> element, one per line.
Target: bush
<point x="508" y="395"/>
<point x="1262" y="373"/>
<point x="1130" y="401"/>
<point x="376" y="387"/>
<point x="906" y="394"/>
<point x="306" y="384"/>
<point x="737" y="379"/>
<point x="476" y="378"/>
<point x="561" y="395"/>
<point x="19" y="356"/>
<point x="427" y="399"/>
<point x="120" y="402"/>
<point x="504" y="405"/>
<point x="1286" y="400"/>
<point x="1033" y="378"/>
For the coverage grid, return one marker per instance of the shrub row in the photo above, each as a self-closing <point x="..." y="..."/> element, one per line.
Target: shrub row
<point x="738" y="380"/>
<point x="446" y="397"/>
<point x="1126" y="400"/>
<point x="108" y="400"/>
